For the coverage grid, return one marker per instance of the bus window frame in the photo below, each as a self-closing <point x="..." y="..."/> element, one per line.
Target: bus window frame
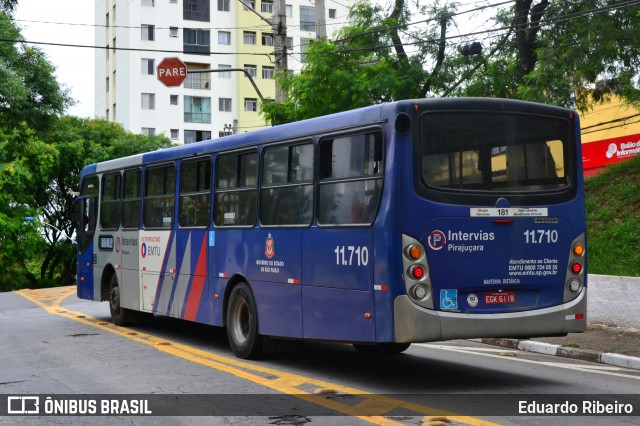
<point x="489" y="198"/>
<point x="139" y="198"/>
<point x="215" y="190"/>
<point x="145" y="197"/>
<point x="117" y="200"/>
<point x="86" y="236"/>
<point x="380" y="175"/>
<point x="180" y="195"/>
<point x="313" y="182"/>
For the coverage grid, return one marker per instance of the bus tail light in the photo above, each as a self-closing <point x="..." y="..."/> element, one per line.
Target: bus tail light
<point x="576" y="268"/>
<point x="575" y="279"/>
<point x="416" y="272"/>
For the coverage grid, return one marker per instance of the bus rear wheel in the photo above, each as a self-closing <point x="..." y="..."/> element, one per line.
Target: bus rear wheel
<point x="382" y="348"/>
<point x="119" y="315"/>
<point x="242" y="323"/>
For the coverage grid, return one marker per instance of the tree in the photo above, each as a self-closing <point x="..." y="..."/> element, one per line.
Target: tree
<point x="368" y="64"/>
<point x="29" y="91"/>
<point x="78" y="142"/>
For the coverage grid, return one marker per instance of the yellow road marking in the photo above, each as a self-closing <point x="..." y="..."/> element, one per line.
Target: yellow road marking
<point x="288" y="383"/>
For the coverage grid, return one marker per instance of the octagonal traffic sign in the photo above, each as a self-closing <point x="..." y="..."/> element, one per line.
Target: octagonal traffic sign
<point x="172" y="72"/>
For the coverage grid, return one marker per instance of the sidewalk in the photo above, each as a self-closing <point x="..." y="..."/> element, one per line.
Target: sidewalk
<point x="600" y="343"/>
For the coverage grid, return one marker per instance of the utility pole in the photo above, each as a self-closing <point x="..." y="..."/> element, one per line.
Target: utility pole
<point x="280" y="54"/>
<point x="321" y="20"/>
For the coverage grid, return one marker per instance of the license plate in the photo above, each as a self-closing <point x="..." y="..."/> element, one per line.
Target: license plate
<point x="499" y="297"/>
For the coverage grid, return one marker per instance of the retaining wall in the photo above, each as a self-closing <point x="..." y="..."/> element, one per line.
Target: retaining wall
<point x="613" y="301"/>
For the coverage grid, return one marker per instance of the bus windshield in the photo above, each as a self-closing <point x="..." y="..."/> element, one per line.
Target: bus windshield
<point x="494" y="152"/>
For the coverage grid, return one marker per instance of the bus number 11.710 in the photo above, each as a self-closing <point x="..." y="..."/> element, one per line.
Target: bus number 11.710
<point x="352" y="255"/>
<point x="539" y="236"/>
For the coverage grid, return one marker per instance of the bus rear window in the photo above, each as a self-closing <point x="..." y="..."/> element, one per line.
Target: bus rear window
<point x="494" y="152"/>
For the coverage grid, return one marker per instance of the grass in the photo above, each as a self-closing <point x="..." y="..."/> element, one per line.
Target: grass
<point x="571" y="345"/>
<point x="613" y="220"/>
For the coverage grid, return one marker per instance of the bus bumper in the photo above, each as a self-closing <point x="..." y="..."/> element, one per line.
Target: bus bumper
<point x="416" y="324"/>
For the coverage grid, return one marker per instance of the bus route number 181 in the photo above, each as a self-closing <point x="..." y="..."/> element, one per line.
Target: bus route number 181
<point x="352" y="255"/>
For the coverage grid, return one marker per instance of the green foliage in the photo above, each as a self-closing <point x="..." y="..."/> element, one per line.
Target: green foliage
<point x="29" y="91"/>
<point x="613" y="219"/>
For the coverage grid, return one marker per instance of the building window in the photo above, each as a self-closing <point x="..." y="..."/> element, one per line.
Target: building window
<point x="173" y="31"/>
<point x="288" y="11"/>
<point x="267" y="73"/>
<point x="252" y="70"/>
<point x="173" y="99"/>
<point x="175" y="134"/>
<point x="223" y="5"/>
<point x="307" y="18"/>
<point x="224" y="37"/>
<point x="289" y="43"/>
<point x="196" y="41"/>
<point x="197" y="109"/>
<point x="250" y="3"/>
<point x="224" y="74"/>
<point x="191" y="136"/>
<point x="249" y="37"/>
<point x="114" y="112"/>
<point x="107" y="86"/>
<point x="250" y="104"/>
<point x="196" y="10"/>
<point x="148" y="3"/>
<point x="267" y="39"/>
<point x="266" y="6"/>
<point x="148" y="101"/>
<point x="304" y="47"/>
<point x="332" y="14"/>
<point x="149" y="131"/>
<point x="200" y="81"/>
<point x="148" y="32"/>
<point x="148" y="66"/>
<point x="224" y="104"/>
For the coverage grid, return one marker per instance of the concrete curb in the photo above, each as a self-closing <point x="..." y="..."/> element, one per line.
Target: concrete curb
<point x="573" y="353"/>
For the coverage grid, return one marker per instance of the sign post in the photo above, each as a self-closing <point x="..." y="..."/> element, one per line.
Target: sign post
<point x="171" y="72"/>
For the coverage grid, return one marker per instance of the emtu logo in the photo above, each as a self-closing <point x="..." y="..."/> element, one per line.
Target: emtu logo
<point x="143" y="250"/>
<point x="437" y="240"/>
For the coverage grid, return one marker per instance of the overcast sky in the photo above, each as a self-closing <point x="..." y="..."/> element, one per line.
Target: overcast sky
<point x="44" y="21"/>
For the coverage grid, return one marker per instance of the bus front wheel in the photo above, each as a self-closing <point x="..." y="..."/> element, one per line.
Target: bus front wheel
<point x="242" y="323"/>
<point x="119" y="315"/>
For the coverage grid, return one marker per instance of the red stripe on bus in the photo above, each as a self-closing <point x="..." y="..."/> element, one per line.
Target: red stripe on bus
<point x="197" y="286"/>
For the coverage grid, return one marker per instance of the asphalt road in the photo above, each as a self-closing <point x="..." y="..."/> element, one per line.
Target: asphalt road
<point x="56" y="345"/>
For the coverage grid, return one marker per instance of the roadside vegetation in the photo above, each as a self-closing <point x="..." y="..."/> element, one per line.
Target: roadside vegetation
<point x="613" y="220"/>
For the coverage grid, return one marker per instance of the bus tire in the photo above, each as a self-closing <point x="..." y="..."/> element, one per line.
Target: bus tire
<point x="242" y="323"/>
<point x="382" y="348"/>
<point x="119" y="315"/>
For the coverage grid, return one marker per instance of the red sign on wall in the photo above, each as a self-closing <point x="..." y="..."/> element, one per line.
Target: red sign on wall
<point x="609" y="151"/>
<point x="172" y="72"/>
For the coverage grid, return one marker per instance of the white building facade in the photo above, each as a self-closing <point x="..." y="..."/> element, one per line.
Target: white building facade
<point x="205" y="34"/>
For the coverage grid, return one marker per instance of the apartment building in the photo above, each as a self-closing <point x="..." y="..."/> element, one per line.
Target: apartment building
<point x="205" y="34"/>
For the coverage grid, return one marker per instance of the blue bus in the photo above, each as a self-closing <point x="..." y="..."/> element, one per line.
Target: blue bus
<point x="411" y="221"/>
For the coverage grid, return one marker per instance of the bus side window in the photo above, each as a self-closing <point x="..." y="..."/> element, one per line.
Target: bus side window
<point x="286" y="197"/>
<point x="110" y="210"/>
<point x="351" y="170"/>
<point x="159" y="197"/>
<point x="131" y="199"/>
<point x="195" y="193"/>
<point x="236" y="188"/>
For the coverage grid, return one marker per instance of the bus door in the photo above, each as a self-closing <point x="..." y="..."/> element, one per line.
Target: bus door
<point x="129" y="240"/>
<point x="87" y="221"/>
<point x="338" y="253"/>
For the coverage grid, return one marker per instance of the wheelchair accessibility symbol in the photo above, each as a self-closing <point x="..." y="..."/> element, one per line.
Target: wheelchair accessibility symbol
<point x="449" y="299"/>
